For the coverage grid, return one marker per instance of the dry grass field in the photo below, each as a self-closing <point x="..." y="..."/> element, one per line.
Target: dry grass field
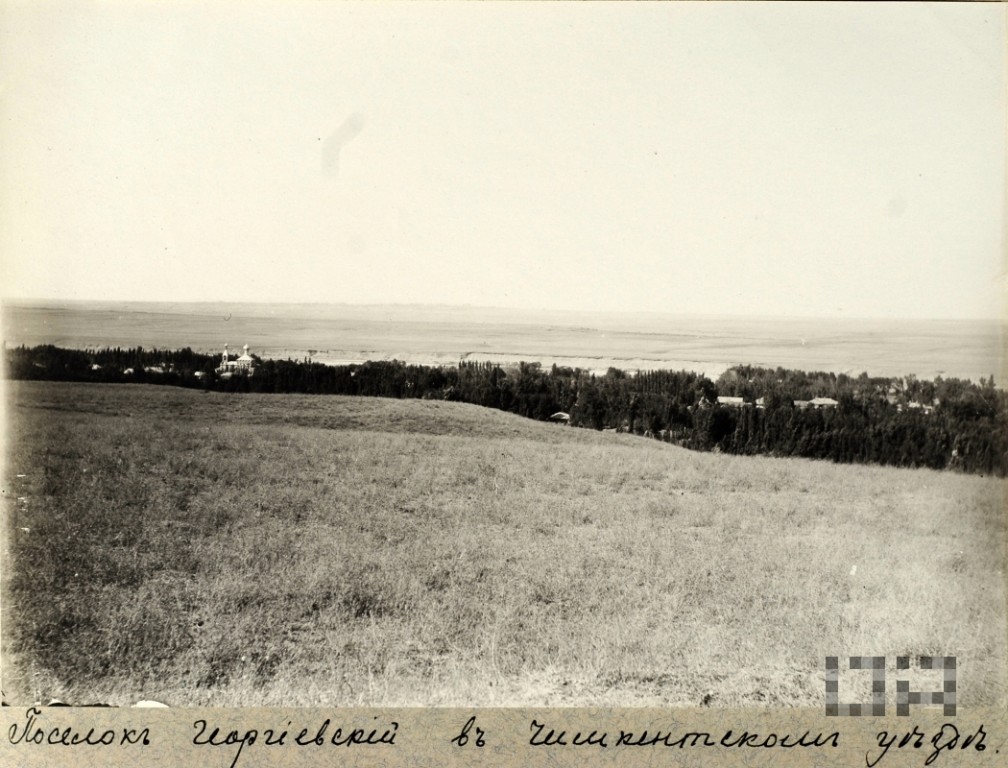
<point x="206" y="549"/>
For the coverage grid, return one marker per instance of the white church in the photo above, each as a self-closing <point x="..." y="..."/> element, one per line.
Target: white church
<point x="232" y="364"/>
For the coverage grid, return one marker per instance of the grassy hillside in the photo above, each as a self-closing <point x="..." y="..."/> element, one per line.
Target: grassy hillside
<point x="201" y="548"/>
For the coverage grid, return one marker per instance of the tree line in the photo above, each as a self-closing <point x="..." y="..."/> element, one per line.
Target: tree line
<point x="900" y="421"/>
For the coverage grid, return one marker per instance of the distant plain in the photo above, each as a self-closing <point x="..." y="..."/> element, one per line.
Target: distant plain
<point x="342" y="333"/>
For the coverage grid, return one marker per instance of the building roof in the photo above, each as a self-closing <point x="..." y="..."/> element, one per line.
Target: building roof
<point x="823" y="401"/>
<point x="727" y="400"/>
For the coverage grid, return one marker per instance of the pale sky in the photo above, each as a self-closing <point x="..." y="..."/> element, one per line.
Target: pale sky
<point x="831" y="160"/>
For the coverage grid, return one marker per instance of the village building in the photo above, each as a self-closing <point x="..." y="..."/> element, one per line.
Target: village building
<point x="231" y="364"/>
<point x="734" y="402"/>
<point x="823" y="402"/>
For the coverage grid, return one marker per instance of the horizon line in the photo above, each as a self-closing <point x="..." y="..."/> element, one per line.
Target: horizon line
<point x="44" y="302"/>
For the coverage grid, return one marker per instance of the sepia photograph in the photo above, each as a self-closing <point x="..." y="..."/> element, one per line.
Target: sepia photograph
<point x="503" y="355"/>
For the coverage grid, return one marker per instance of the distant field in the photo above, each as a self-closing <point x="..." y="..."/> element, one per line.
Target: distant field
<point x="206" y="549"/>
<point x="342" y="333"/>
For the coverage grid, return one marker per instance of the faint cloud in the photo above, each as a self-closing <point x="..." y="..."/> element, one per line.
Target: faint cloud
<point x="333" y="146"/>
